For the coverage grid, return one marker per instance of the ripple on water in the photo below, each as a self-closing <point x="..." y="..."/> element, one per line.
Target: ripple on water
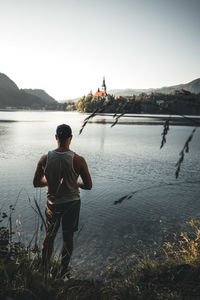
<point x="121" y="160"/>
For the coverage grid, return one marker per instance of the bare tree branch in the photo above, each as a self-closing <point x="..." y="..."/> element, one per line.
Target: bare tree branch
<point x="116" y="119"/>
<point x="183" y="151"/>
<point x="131" y="194"/>
<point x="93" y="114"/>
<point x="87" y="119"/>
<point x="122" y="108"/>
<point x="164" y="133"/>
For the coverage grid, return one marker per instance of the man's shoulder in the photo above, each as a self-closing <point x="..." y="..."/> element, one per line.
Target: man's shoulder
<point x="43" y="160"/>
<point x="78" y="158"/>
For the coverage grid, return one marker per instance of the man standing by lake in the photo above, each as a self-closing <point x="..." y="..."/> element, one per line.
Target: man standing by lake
<point x="59" y="171"/>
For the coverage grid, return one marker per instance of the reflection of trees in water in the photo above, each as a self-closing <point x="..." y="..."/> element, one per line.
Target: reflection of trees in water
<point x="3" y="132"/>
<point x="102" y="137"/>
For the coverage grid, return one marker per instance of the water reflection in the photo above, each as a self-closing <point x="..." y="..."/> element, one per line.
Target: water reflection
<point x="122" y="160"/>
<point x="102" y="137"/>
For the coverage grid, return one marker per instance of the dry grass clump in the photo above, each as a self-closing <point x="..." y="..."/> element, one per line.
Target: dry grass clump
<point x="186" y="248"/>
<point x="174" y="275"/>
<point x="21" y="275"/>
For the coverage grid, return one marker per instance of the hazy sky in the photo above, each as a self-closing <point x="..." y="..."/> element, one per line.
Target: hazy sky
<point x="66" y="46"/>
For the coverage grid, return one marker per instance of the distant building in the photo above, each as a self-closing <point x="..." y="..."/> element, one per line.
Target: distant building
<point x="101" y="92"/>
<point x="160" y="102"/>
<point x="119" y="97"/>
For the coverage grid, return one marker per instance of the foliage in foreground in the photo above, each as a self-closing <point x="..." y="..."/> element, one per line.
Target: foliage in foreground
<point x="175" y="275"/>
<point x="22" y="277"/>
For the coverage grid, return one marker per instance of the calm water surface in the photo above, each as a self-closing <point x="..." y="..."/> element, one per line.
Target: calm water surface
<point x="122" y="159"/>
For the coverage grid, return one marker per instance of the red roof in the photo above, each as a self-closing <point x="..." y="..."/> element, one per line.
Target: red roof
<point x="100" y="94"/>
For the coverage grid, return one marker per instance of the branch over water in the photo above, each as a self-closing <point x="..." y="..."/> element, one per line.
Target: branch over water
<point x="183" y="151"/>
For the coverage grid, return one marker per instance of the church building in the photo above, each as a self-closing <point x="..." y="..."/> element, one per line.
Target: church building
<point x="101" y="92"/>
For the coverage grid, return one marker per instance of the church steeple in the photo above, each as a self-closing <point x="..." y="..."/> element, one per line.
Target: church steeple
<point x="102" y="92"/>
<point x="103" y="87"/>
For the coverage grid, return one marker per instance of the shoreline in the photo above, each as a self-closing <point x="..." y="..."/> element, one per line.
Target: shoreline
<point x="108" y="118"/>
<point x="126" y="115"/>
<point x="146" y="120"/>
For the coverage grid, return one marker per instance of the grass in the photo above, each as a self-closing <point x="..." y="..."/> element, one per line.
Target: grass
<point x="173" y="275"/>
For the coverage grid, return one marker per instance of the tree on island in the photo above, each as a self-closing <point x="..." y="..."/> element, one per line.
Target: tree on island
<point x="91" y="103"/>
<point x="176" y="102"/>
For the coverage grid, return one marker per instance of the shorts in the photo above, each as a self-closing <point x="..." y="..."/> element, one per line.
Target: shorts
<point x="66" y="213"/>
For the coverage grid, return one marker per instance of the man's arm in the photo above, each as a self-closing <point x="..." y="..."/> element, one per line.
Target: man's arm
<point x="39" y="179"/>
<point x="86" y="182"/>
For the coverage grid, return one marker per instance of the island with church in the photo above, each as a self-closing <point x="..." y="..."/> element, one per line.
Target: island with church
<point x="170" y="100"/>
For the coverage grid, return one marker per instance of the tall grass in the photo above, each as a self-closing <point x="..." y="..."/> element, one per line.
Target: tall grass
<point x="23" y="277"/>
<point x="175" y="274"/>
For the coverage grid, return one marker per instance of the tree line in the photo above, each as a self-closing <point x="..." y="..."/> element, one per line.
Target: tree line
<point x="181" y="101"/>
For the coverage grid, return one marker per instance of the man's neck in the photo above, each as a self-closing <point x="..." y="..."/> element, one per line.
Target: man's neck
<point x="62" y="148"/>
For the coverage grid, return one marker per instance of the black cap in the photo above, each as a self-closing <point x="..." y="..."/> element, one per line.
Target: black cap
<point x="63" y="131"/>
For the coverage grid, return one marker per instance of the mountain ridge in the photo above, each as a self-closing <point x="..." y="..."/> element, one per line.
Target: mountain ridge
<point x="192" y="86"/>
<point x="41" y="94"/>
<point x="6" y="83"/>
<point x="12" y="96"/>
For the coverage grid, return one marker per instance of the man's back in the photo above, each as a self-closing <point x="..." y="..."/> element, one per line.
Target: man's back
<point x="79" y="165"/>
<point x="61" y="177"/>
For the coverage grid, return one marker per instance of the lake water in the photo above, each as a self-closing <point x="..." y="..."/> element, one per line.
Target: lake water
<point x="122" y="159"/>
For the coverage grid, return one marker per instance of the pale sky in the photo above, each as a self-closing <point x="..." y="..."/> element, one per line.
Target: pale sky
<point x="66" y="46"/>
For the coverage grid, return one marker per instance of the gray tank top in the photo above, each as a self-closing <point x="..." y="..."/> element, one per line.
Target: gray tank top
<point x="61" y="177"/>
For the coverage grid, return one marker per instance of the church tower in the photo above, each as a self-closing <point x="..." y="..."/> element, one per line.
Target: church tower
<point x="103" y="87"/>
<point x="101" y="93"/>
